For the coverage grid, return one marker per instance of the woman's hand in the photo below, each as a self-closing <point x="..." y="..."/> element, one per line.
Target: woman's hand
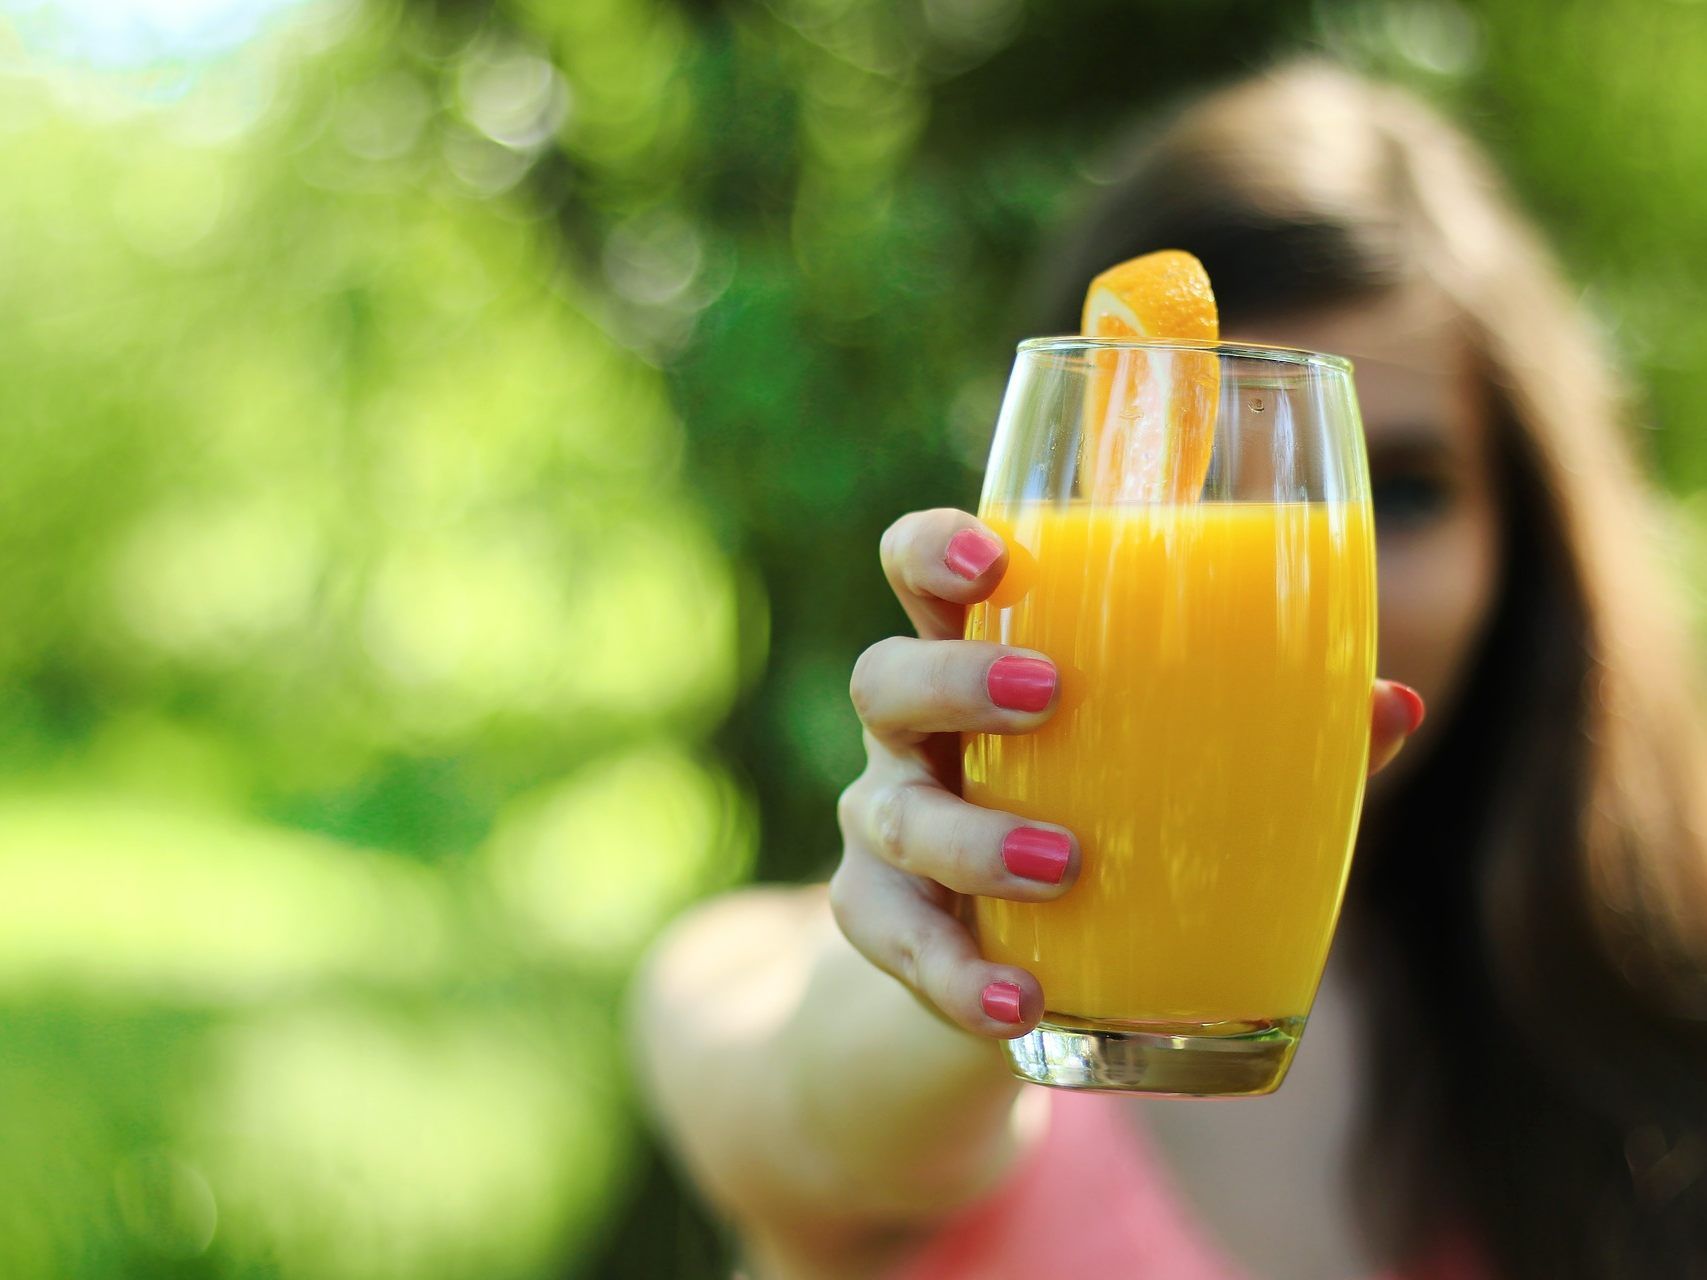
<point x="912" y="848"/>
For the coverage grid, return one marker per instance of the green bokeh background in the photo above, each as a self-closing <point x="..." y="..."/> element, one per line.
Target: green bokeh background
<point x="442" y="452"/>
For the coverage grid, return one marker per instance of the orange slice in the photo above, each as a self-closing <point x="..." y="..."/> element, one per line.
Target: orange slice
<point x="1150" y="415"/>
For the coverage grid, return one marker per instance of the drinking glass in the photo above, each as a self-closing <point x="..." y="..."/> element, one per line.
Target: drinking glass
<point x="1214" y="631"/>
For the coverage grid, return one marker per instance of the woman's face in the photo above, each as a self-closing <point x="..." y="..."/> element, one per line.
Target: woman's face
<point x="1437" y="517"/>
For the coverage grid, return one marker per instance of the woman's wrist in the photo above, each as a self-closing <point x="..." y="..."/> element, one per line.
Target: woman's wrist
<point x="917" y="1112"/>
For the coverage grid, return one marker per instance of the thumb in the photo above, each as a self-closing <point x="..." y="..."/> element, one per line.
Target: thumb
<point x="1396" y="713"/>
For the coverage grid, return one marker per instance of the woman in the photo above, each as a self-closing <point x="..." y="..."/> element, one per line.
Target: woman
<point x="1506" y="1068"/>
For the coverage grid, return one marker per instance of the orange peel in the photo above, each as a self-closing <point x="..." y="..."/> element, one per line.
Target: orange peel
<point x="1149" y="427"/>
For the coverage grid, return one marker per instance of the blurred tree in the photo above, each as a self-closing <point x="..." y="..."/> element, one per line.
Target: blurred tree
<point x="362" y="645"/>
<point x="446" y="445"/>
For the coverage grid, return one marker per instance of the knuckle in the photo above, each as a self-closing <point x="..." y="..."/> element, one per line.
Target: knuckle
<point x="864" y="685"/>
<point x="942" y="675"/>
<point x="904" y="957"/>
<point x="892" y="547"/>
<point x="848" y="806"/>
<point x="841" y="894"/>
<point x="889" y="824"/>
<point x="967" y="857"/>
<point x="860" y="683"/>
<point x="930" y="961"/>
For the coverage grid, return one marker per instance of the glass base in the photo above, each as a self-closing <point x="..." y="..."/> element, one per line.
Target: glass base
<point x="1198" y="1060"/>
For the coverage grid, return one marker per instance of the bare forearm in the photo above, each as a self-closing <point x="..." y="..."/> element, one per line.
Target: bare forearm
<point x="807" y="1089"/>
<point x="917" y="1113"/>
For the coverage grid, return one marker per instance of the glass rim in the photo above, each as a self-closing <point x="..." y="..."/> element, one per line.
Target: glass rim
<point x="1278" y="355"/>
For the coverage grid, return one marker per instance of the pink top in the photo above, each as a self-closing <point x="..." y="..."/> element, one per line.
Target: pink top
<point x="1093" y="1199"/>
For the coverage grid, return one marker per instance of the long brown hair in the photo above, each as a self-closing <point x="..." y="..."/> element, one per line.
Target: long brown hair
<point x="1538" y="1010"/>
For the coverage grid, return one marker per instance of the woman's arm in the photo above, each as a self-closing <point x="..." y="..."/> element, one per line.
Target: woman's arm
<point x="825" y="1059"/>
<point x="813" y="1098"/>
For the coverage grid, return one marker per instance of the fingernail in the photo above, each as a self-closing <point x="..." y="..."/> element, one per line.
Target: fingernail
<point x="971" y="552"/>
<point x="1037" y="854"/>
<point x="1413" y="705"/>
<point x="1001" y="1001"/>
<point x="1021" y="684"/>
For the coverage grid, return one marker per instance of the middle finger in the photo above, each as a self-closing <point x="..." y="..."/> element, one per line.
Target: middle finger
<point x="921" y="829"/>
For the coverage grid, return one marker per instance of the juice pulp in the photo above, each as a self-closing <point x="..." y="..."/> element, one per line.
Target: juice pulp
<point x="1209" y="750"/>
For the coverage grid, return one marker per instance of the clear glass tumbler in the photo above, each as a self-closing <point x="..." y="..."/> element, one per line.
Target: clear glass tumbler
<point x="1191" y="542"/>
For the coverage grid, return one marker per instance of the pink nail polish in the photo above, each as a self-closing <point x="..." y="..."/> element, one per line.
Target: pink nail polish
<point x="1037" y="854"/>
<point x="971" y="552"/>
<point x="1001" y="1002"/>
<point x="1021" y="684"/>
<point x="1414" y="707"/>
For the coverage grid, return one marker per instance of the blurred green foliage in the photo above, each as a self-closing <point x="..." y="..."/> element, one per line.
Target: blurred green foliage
<point x="442" y="451"/>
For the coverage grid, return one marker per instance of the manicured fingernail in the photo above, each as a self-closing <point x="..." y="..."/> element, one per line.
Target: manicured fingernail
<point x="1001" y="1002"/>
<point x="1413" y="705"/>
<point x="1021" y="684"/>
<point x="1037" y="854"/>
<point x="971" y="552"/>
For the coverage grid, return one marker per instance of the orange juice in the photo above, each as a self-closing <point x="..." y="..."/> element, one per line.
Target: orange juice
<point x="1209" y="750"/>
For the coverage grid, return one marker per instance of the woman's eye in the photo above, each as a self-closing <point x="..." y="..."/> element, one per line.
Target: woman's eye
<point x="1407" y="500"/>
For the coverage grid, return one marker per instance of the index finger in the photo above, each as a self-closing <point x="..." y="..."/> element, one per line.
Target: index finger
<point x="937" y="563"/>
